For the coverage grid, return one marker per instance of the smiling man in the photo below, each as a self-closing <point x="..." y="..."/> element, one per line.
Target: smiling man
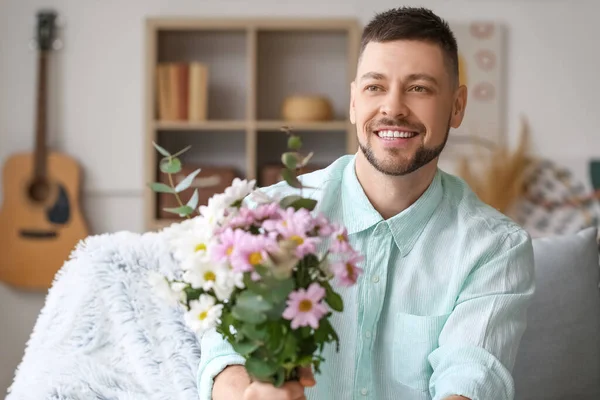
<point x="441" y="307"/>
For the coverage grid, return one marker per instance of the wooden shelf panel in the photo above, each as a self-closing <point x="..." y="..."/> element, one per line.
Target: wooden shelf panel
<point x="201" y="126"/>
<point x="302" y="126"/>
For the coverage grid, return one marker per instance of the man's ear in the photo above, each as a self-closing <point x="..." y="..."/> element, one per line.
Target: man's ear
<point x="459" y="106"/>
<point x="352" y="94"/>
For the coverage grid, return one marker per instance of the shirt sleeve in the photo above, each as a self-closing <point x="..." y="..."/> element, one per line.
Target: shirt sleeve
<point x="216" y="354"/>
<point x="479" y="343"/>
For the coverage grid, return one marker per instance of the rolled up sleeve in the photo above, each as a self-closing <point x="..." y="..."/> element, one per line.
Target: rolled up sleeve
<point x="479" y="342"/>
<point x="215" y="355"/>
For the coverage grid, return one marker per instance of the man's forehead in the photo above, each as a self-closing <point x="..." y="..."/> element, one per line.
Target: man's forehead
<point x="411" y="55"/>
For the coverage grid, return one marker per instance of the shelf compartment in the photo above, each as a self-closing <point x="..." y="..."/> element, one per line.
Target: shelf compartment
<point x="226" y="55"/>
<point x="301" y="62"/>
<point x="302" y="126"/>
<point x="201" y="125"/>
<point x="326" y="145"/>
<point x="221" y="155"/>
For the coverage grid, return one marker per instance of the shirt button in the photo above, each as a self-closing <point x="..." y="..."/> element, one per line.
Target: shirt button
<point x="375" y="278"/>
<point x="364" y="391"/>
<point x="368" y="334"/>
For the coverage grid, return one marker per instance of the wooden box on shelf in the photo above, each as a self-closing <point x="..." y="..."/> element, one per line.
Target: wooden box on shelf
<point x="231" y="110"/>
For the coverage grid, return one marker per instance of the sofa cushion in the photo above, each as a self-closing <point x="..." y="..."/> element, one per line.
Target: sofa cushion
<point x="559" y="356"/>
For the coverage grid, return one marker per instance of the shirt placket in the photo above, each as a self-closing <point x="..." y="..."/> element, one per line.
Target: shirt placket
<point x="373" y="284"/>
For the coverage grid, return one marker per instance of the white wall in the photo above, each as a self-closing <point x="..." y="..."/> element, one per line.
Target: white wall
<point x="96" y="86"/>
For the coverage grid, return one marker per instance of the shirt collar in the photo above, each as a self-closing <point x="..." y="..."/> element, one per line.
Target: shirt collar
<point x="359" y="214"/>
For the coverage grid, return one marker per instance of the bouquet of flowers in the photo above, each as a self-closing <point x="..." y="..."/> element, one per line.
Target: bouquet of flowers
<point x="255" y="274"/>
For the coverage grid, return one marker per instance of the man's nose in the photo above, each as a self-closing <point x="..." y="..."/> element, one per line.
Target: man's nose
<point x="394" y="105"/>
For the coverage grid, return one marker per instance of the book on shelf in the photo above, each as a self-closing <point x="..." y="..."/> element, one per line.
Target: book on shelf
<point x="182" y="91"/>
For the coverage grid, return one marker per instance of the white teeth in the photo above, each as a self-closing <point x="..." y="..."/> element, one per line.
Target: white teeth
<point x="395" y="134"/>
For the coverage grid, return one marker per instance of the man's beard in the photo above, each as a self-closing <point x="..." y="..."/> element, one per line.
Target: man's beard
<point x="423" y="156"/>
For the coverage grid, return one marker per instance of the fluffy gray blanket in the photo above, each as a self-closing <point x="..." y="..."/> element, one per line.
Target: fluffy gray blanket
<point x="103" y="333"/>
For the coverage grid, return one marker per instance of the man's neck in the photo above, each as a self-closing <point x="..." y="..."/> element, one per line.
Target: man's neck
<point x="390" y="195"/>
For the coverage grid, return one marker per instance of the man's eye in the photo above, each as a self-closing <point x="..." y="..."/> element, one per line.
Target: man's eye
<point x="419" y="89"/>
<point x="372" y="88"/>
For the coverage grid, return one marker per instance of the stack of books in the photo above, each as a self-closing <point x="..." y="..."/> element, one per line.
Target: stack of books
<point x="182" y="91"/>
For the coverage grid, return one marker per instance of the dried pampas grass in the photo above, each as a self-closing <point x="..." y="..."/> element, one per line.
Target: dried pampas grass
<point x="499" y="178"/>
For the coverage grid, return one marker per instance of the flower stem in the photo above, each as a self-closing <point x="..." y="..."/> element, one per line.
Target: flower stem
<point x="176" y="194"/>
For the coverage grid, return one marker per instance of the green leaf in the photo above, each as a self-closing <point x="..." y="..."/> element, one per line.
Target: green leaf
<point x="248" y="315"/>
<point x="287" y="201"/>
<point x="245" y="348"/>
<point x="306" y="160"/>
<point x="161" y="187"/>
<point x="180" y="152"/>
<point x="170" y="165"/>
<point x="261" y="369"/>
<point x="294" y="142"/>
<point x="280" y="290"/>
<point x="252" y="332"/>
<point x="187" y="181"/>
<point x="181" y="211"/>
<point x="193" y="201"/>
<point x="161" y="150"/>
<point x="290" y="159"/>
<point x="332" y="298"/>
<point x="309" y="204"/>
<point x="252" y="301"/>
<point x="291" y="178"/>
<point x="280" y="377"/>
<point x="305" y="360"/>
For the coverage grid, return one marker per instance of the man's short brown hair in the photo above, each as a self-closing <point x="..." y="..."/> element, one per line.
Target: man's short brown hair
<point x="413" y="23"/>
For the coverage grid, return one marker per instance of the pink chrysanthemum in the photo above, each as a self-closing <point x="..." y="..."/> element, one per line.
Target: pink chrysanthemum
<point x="339" y="241"/>
<point x="304" y="307"/>
<point x="228" y="240"/>
<point x="295" y="225"/>
<point x="347" y="271"/>
<point x="248" y="216"/>
<point x="250" y="251"/>
<point x="322" y="225"/>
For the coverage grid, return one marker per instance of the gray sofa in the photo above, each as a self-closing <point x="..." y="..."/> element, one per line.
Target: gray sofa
<point x="559" y="357"/>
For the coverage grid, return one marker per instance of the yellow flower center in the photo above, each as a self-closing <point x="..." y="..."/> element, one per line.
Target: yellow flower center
<point x="305" y="306"/>
<point x="297" y="239"/>
<point x="229" y="250"/>
<point x="255" y="258"/>
<point x="341" y="237"/>
<point x="350" y="270"/>
<point x="203" y="315"/>
<point x="210" y="276"/>
<point x="200" y="247"/>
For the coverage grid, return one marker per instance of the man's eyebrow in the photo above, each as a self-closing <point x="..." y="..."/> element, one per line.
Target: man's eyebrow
<point x="378" y="76"/>
<point x="372" y="75"/>
<point x="422" y="77"/>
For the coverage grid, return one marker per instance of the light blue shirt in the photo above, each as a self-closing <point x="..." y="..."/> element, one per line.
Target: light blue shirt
<point x="440" y="308"/>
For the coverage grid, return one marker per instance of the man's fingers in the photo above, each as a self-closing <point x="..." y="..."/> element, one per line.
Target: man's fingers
<point x="295" y="390"/>
<point x="306" y="377"/>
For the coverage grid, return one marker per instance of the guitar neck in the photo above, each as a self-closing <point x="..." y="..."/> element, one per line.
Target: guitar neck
<point x="40" y="127"/>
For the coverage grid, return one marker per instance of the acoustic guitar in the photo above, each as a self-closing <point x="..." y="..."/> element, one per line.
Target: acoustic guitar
<point x="40" y="218"/>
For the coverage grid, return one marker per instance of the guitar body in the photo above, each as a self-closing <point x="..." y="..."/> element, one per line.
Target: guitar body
<point x="40" y="223"/>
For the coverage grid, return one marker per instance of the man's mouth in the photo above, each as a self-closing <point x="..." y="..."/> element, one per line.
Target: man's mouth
<point x="395" y="134"/>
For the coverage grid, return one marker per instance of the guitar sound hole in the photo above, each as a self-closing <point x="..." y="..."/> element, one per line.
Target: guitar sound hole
<point x="39" y="191"/>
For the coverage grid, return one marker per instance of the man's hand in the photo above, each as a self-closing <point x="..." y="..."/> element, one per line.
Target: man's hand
<point x="289" y="391"/>
<point x="234" y="383"/>
<point x="457" y="398"/>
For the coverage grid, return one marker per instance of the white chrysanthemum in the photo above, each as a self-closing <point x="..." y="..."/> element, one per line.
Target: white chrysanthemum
<point x="204" y="314"/>
<point x="214" y="212"/>
<point x="171" y="292"/>
<point x="194" y="240"/>
<point x="206" y="275"/>
<point x="239" y="189"/>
